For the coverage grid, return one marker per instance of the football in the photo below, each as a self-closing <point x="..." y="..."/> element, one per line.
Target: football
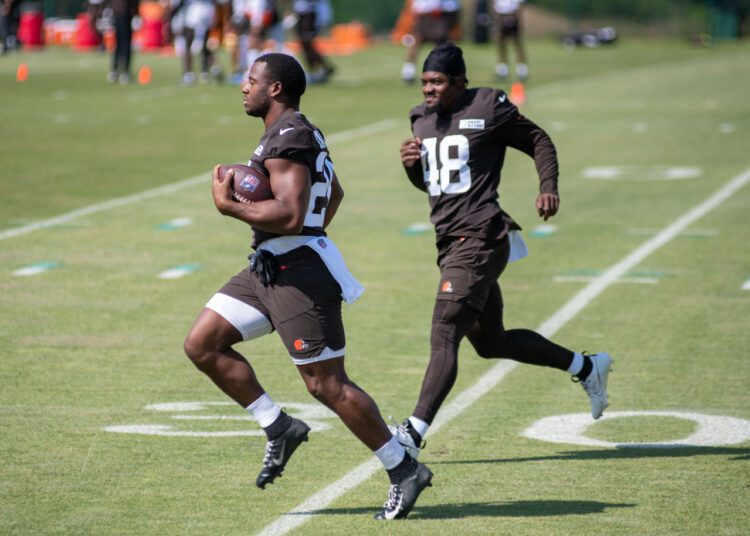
<point x="250" y="184"/>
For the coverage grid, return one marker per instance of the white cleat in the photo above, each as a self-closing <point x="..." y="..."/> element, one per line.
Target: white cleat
<point x="596" y="384"/>
<point x="403" y="436"/>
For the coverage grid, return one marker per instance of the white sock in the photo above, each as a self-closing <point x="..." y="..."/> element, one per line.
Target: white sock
<point x="391" y="454"/>
<point x="408" y="71"/>
<point x="522" y="70"/>
<point x="576" y="365"/>
<point x="501" y="69"/>
<point x="264" y="410"/>
<point x="420" y="426"/>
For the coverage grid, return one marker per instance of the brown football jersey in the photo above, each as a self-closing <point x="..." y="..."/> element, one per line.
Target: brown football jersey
<point x="463" y="152"/>
<point x="294" y="138"/>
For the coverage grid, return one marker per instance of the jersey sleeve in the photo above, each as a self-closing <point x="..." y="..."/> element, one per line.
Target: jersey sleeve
<point x="515" y="130"/>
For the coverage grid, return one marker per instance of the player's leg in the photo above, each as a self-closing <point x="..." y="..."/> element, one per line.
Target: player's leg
<point x="209" y="345"/>
<point x="305" y="303"/>
<point x="491" y="340"/>
<point x="232" y="315"/>
<point x="501" y="68"/>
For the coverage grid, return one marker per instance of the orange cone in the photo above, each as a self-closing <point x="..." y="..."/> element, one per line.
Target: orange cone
<point x="22" y="74"/>
<point x="517" y="94"/>
<point x="144" y="75"/>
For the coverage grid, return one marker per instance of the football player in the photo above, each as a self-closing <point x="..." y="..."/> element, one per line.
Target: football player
<point x="190" y="22"/>
<point x="312" y="16"/>
<point x="295" y="284"/>
<point x="433" y="22"/>
<point x="459" y="144"/>
<point x="508" y="20"/>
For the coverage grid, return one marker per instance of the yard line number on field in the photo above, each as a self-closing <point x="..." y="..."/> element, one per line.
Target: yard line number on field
<point x="308" y="509"/>
<point x="118" y="202"/>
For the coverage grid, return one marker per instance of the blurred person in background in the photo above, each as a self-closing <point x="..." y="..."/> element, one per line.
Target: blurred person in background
<point x="123" y="11"/>
<point x="433" y="22"/>
<point x="10" y="16"/>
<point x="257" y="21"/>
<point x="509" y="28"/>
<point x="190" y="22"/>
<point x="311" y="17"/>
<point x="95" y="10"/>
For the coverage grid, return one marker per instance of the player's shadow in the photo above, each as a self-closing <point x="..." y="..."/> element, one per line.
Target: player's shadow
<point x="539" y="508"/>
<point x="625" y="453"/>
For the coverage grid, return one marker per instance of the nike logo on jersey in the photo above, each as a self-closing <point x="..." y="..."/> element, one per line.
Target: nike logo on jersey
<point x="502" y="98"/>
<point x="476" y="124"/>
<point x="285" y="130"/>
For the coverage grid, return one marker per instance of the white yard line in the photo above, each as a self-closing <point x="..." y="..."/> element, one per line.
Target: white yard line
<point x="173" y="187"/>
<point x="308" y="509"/>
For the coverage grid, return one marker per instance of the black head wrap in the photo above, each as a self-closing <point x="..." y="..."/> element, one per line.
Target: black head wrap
<point x="445" y="58"/>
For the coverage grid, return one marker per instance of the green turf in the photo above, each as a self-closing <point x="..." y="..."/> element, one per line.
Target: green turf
<point x="93" y="341"/>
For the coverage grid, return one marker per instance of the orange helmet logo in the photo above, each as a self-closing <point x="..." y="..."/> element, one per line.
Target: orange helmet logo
<point x="446" y="287"/>
<point x="300" y="345"/>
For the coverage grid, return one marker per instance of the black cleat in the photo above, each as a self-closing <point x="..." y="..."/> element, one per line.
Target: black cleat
<point x="279" y="450"/>
<point x="403" y="494"/>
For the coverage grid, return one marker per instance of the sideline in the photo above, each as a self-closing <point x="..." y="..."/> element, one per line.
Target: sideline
<point x="336" y="137"/>
<point x="308" y="509"/>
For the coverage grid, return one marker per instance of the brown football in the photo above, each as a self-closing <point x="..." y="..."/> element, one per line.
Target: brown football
<point x="250" y="184"/>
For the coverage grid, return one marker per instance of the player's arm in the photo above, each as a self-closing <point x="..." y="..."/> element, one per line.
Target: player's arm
<point x="411" y="158"/>
<point x="285" y="213"/>
<point x="528" y="137"/>
<point x="337" y="194"/>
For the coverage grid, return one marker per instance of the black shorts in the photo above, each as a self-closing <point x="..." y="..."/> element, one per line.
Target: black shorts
<point x="306" y="27"/>
<point x="469" y="267"/>
<point x="508" y="25"/>
<point x="435" y="28"/>
<point x="303" y="305"/>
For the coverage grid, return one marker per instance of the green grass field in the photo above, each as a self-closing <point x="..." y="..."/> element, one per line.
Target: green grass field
<point x="94" y="339"/>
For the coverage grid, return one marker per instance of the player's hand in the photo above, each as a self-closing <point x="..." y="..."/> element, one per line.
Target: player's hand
<point x="411" y="151"/>
<point x="222" y="190"/>
<point x="547" y="205"/>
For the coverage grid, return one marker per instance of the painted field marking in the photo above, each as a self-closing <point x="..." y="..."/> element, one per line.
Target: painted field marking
<point x="315" y="415"/>
<point x="180" y="271"/>
<point x="305" y="511"/>
<point x="37" y="268"/>
<point x="543" y="229"/>
<point x="642" y="173"/>
<point x="177" y="223"/>
<point x="690" y="233"/>
<point x="746" y="285"/>
<point x="726" y="128"/>
<point x="589" y="278"/>
<point x="417" y="228"/>
<point x="171" y="188"/>
<point x="712" y="430"/>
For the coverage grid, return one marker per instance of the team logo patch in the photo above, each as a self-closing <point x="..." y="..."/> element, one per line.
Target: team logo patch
<point x="475" y="124"/>
<point x="249" y="183"/>
<point x="300" y="345"/>
<point x="322" y="243"/>
<point x="259" y="150"/>
<point x="446" y="287"/>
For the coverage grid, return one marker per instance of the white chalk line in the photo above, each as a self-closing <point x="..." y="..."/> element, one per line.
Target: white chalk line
<point x="309" y="508"/>
<point x="173" y="187"/>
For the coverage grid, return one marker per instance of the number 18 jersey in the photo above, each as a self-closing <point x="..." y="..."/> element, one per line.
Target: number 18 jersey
<point x="463" y="151"/>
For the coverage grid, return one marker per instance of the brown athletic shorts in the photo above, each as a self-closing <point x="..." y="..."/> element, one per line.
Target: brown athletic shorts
<point x="303" y="305"/>
<point x="435" y="28"/>
<point x="469" y="267"/>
